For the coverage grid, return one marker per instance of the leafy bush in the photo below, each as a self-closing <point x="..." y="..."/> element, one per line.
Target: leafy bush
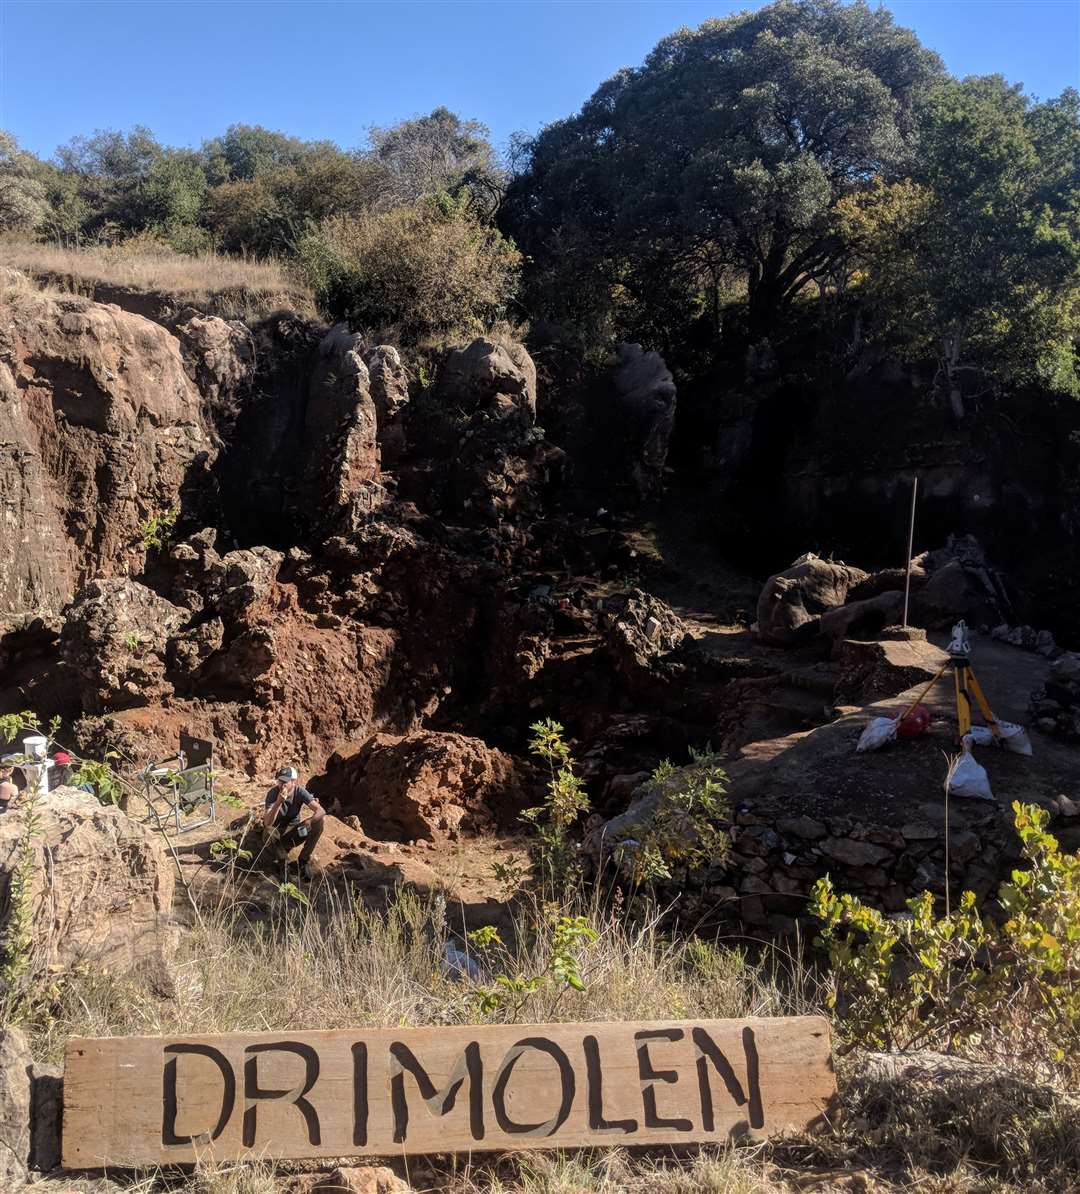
<point x="681" y="826"/>
<point x="427" y="268"/>
<point x="156" y="532"/>
<point x="1008" y="983"/>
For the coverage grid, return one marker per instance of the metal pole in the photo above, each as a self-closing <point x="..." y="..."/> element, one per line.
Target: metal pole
<point x="910" y="546"/>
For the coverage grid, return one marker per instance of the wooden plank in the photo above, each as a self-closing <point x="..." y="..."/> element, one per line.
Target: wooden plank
<point x="132" y="1101"/>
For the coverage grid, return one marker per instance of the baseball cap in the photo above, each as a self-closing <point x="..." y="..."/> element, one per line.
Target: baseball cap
<point x="61" y="757"/>
<point x="288" y="773"/>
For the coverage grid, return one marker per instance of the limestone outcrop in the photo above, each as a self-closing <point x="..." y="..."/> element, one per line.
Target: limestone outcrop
<point x="114" y="642"/>
<point x="101" y="429"/>
<point x="101" y="886"/>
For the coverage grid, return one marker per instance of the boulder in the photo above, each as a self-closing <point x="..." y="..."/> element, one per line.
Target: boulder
<point x="102" y="883"/>
<point x="862" y="619"/>
<point x="792" y="602"/>
<point x="100" y="429"/>
<point x="642" y="636"/>
<point x="426" y="785"/>
<point x="16" y="1065"/>
<point x="849" y="852"/>
<point x="219" y="355"/>
<point x="474" y="376"/>
<point x="642" y="414"/>
<point x="114" y="641"/>
<point x="390" y="393"/>
<point x="872" y="670"/>
<point x="361" y="1179"/>
<point x="949" y="595"/>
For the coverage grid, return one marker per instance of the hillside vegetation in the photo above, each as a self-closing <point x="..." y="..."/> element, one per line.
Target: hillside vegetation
<point x="232" y="287"/>
<point x="808" y="167"/>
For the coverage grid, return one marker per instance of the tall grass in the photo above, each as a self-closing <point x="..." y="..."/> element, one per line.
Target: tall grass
<point x="339" y="964"/>
<point x="231" y="287"/>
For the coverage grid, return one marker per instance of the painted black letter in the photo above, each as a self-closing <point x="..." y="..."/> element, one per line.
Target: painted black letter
<point x="360" y="1097"/>
<point x="595" y="1085"/>
<point x="567" y="1081"/>
<point x="253" y="1093"/>
<point x="648" y="1075"/>
<point x="228" y="1093"/>
<point x="707" y="1051"/>
<point x="439" y="1102"/>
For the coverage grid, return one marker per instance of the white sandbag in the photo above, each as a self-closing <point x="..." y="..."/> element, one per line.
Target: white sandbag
<point x="877" y="734"/>
<point x="1013" y="737"/>
<point x="969" y="778"/>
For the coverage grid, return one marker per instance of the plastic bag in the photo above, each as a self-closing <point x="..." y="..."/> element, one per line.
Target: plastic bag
<point x="877" y="734"/>
<point x="1014" y="738"/>
<point x="969" y="777"/>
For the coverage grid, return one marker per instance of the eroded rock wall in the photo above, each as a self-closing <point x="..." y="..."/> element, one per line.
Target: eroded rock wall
<point x="101" y="429"/>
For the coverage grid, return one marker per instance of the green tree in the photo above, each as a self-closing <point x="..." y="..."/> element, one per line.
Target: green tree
<point x="434" y="153"/>
<point x="728" y="148"/>
<point x="24" y="205"/>
<point x="244" y="151"/>
<point x="268" y="214"/>
<point x="105" y="175"/>
<point x="171" y="197"/>
<point x="975" y="261"/>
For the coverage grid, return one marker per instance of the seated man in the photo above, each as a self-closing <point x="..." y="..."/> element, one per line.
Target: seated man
<point x="284" y="803"/>
<point x="9" y="793"/>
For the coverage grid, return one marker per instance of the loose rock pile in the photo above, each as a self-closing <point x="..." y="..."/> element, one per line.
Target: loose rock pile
<point x="1056" y="705"/>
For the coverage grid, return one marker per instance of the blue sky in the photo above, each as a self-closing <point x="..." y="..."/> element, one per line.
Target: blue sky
<point x="189" y="69"/>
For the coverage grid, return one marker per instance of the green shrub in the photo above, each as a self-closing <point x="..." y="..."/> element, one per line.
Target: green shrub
<point x="556" y="854"/>
<point x="1007" y="984"/>
<point x="427" y="268"/>
<point x="681" y="829"/>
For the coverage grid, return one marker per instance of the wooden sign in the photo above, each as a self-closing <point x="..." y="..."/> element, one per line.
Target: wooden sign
<point x="154" y="1100"/>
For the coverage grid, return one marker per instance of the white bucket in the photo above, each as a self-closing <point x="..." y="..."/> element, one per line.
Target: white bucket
<point x="36" y="747"/>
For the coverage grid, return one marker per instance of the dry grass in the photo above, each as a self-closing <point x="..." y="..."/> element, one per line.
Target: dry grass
<point x="227" y="286"/>
<point x="347" y="966"/>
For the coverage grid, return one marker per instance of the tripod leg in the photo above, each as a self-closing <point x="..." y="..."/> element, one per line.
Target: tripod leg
<point x="984" y="706"/>
<point x="963" y="702"/>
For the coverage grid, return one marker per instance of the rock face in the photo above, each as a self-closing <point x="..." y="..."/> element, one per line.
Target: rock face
<point x="114" y="641"/>
<point x="484" y="371"/>
<point x="102" y="883"/>
<point x="100" y="429"/>
<point x="792" y="602"/>
<point x="390" y="393"/>
<point x="219" y="355"/>
<point x="15" y="1069"/>
<point x="426" y="785"/>
<point x="340" y="437"/>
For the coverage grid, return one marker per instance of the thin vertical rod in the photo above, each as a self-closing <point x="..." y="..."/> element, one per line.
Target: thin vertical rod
<point x="910" y="547"/>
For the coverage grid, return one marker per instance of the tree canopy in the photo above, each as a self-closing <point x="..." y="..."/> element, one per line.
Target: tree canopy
<point x="728" y="149"/>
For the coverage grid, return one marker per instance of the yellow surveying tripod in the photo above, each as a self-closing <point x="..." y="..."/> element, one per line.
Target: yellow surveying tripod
<point x="967" y="686"/>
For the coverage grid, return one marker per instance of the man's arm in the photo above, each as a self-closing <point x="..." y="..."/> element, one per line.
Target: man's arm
<point x="314" y="807"/>
<point x="272" y="810"/>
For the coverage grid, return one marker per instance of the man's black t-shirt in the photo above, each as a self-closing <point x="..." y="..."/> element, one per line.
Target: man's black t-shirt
<point x="289" y="813"/>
